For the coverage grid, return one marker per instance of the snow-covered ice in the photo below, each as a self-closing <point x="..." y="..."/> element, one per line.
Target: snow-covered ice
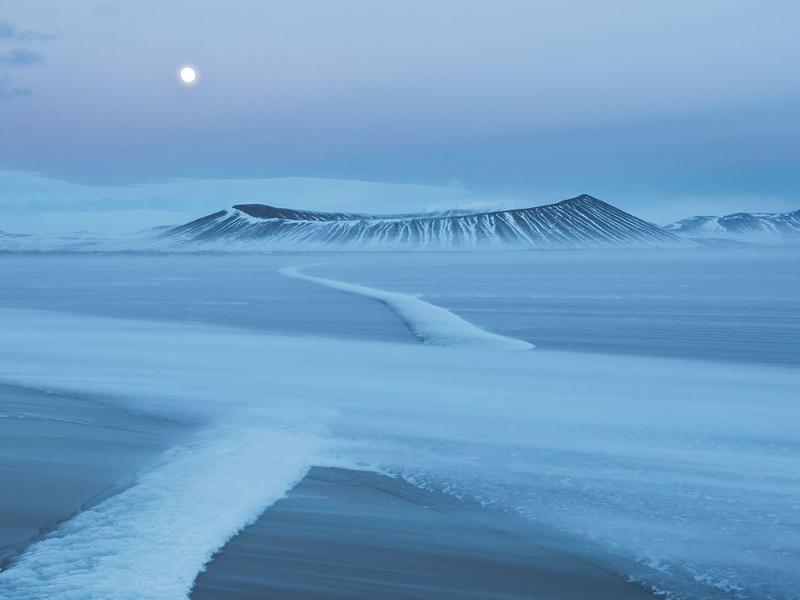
<point x="683" y="474"/>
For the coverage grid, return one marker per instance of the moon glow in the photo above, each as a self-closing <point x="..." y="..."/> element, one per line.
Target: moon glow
<point x="187" y="75"/>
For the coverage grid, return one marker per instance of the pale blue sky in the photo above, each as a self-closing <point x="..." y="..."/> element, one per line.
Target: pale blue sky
<point x="664" y="108"/>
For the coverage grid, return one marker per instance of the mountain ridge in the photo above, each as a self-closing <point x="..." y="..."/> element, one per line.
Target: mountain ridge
<point x="740" y="225"/>
<point x="266" y="211"/>
<point x="582" y="221"/>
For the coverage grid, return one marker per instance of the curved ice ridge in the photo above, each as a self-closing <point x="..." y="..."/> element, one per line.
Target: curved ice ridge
<point x="159" y="533"/>
<point x="431" y="324"/>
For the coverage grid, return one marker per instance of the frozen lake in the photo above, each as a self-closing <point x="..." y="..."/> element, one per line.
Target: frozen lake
<point x="721" y="305"/>
<point x="739" y="305"/>
<point x="678" y="467"/>
<point x="238" y="291"/>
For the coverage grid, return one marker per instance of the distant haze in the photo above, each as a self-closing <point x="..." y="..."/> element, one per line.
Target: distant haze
<point x="666" y="109"/>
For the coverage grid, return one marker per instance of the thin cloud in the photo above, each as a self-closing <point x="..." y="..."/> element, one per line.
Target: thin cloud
<point x="8" y="91"/>
<point x="110" y="11"/>
<point x="20" y="57"/>
<point x="8" y="31"/>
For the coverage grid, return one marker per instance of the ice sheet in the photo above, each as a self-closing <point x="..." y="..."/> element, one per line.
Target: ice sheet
<point x="682" y="474"/>
<point x="733" y="305"/>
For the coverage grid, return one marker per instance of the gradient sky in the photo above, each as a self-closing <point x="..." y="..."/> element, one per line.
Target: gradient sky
<point x="664" y="108"/>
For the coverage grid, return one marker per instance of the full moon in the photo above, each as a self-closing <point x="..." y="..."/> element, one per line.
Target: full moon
<point x="187" y="75"/>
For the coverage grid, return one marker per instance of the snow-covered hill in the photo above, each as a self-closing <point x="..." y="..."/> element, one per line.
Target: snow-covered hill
<point x="583" y="221"/>
<point x="755" y="226"/>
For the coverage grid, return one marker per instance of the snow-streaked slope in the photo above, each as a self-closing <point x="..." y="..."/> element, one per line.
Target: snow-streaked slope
<point x="430" y="323"/>
<point x="759" y="226"/>
<point x="583" y="221"/>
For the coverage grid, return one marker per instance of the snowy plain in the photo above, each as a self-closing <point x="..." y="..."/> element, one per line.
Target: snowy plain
<point x="682" y="474"/>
